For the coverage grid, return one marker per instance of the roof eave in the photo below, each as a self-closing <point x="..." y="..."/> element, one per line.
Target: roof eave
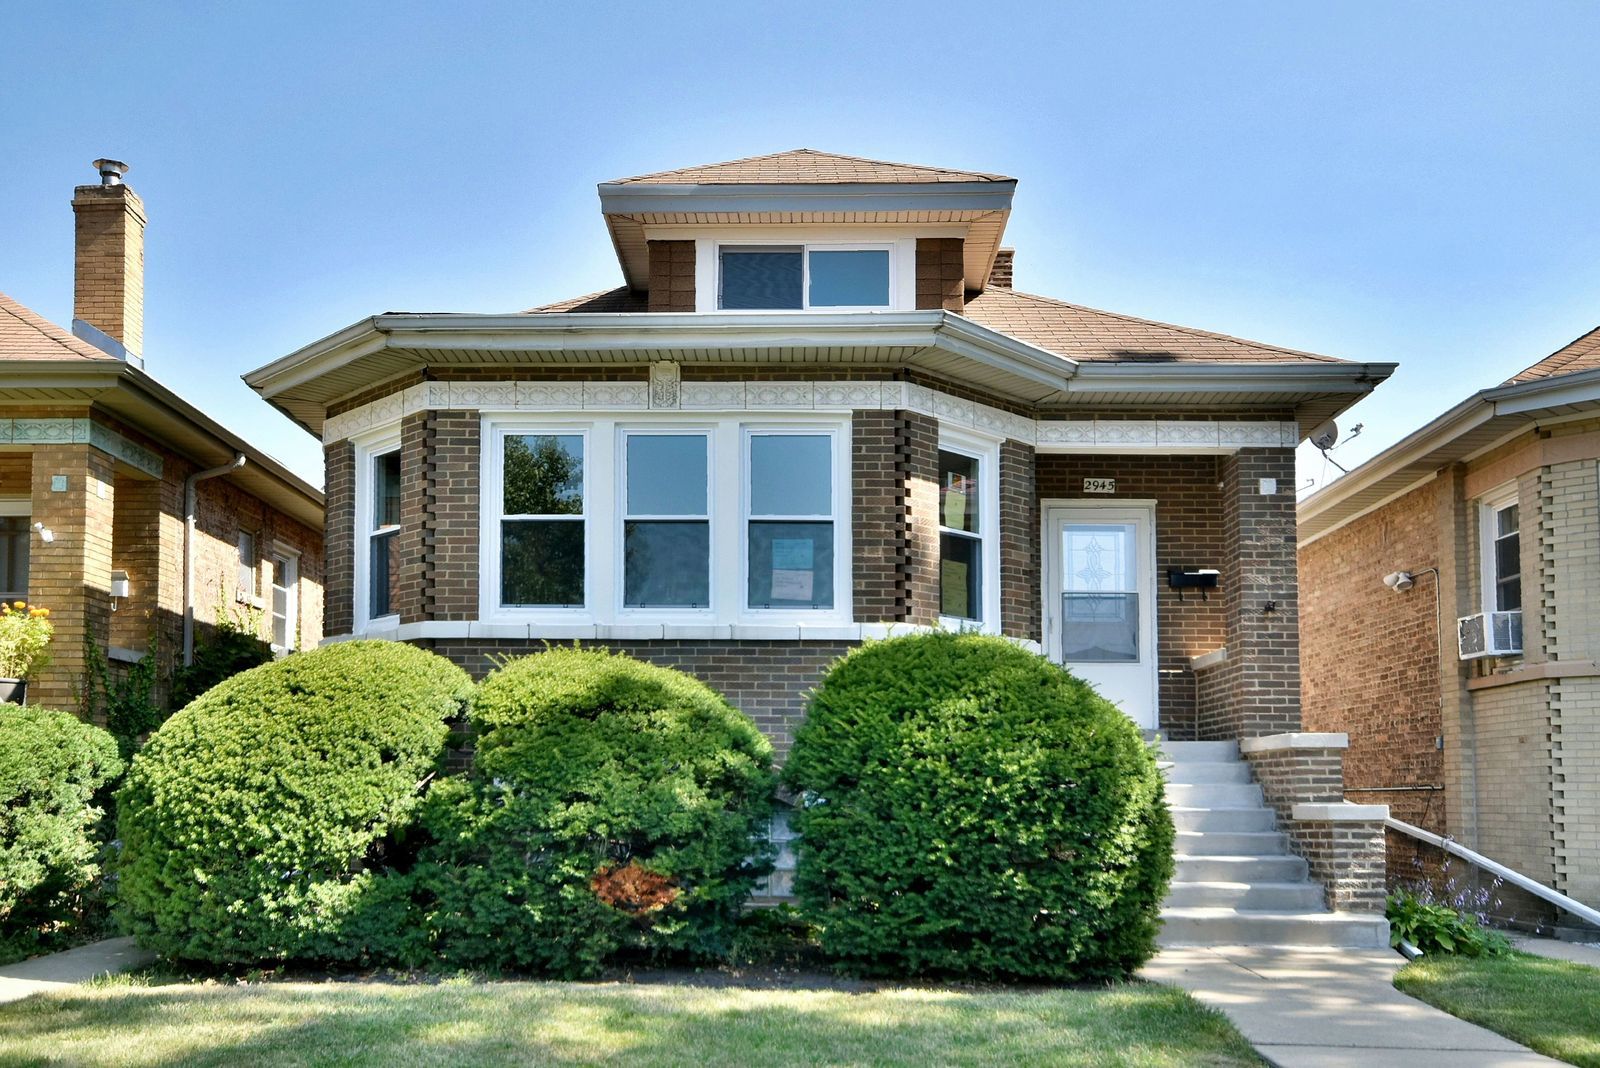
<point x="805" y="197"/>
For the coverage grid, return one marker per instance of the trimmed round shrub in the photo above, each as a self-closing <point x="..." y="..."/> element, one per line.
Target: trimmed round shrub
<point x="261" y="822"/>
<point x="615" y="807"/>
<point x="51" y="765"/>
<point x="969" y="808"/>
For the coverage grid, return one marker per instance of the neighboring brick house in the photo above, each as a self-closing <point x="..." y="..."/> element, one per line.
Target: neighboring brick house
<point x="1492" y="511"/>
<point x="816" y="411"/>
<point x="96" y="459"/>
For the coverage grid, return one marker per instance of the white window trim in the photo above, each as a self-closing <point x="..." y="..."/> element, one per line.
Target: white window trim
<point x="367" y="449"/>
<point x="596" y="517"/>
<point x="843" y="561"/>
<point x="603" y="499"/>
<point x="1491" y="503"/>
<point x="291" y="556"/>
<point x="663" y="613"/>
<point x="986" y="451"/>
<point x="902" y="270"/>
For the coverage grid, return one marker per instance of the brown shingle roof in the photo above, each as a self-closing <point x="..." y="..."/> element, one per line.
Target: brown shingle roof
<point x="1581" y="355"/>
<point x="27" y="335"/>
<point x="1069" y="330"/>
<point x="1088" y="334"/>
<point x="806" y="166"/>
<point x="621" y="299"/>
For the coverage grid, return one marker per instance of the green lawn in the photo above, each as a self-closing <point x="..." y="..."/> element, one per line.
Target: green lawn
<point x="392" y="1026"/>
<point x="1552" y="1006"/>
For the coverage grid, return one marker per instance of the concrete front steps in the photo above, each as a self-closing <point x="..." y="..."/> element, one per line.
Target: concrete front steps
<point x="1237" y="882"/>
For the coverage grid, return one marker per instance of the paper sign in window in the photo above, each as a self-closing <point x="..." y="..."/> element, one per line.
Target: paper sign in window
<point x="791" y="554"/>
<point x="791" y="585"/>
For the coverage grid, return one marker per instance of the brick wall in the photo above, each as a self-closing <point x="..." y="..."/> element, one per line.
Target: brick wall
<point x="1370" y="656"/>
<point x="71" y="575"/>
<point x="1020" y="607"/>
<point x="769" y="681"/>
<point x="920" y="457"/>
<point x="340" y="527"/>
<point x="450" y="526"/>
<point x="1348" y="859"/>
<point x="406" y="555"/>
<point x="671" y="276"/>
<point x="1188" y="534"/>
<point x="880" y="548"/>
<point x="939" y="273"/>
<point x="136" y="549"/>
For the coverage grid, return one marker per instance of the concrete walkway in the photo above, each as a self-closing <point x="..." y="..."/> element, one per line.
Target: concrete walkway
<point x="1318" y="1008"/>
<point x="1580" y="952"/>
<point x="70" y="967"/>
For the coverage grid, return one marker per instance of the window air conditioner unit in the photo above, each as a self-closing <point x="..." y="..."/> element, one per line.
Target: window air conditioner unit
<point x="1489" y="634"/>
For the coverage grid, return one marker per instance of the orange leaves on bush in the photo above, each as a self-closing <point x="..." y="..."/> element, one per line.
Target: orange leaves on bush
<point x="633" y="889"/>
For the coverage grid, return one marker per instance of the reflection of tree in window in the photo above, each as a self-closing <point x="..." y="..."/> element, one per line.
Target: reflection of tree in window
<point x="541" y="559"/>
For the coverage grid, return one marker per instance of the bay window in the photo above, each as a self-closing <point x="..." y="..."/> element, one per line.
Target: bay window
<point x="642" y="521"/>
<point x="15" y="531"/>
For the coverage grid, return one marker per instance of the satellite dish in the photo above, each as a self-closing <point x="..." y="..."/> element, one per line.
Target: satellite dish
<point x="1324" y="436"/>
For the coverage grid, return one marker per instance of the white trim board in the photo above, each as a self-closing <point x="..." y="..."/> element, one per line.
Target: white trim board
<point x="1047" y="435"/>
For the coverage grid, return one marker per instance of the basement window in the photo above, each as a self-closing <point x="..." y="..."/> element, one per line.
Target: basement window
<point x="803" y="277"/>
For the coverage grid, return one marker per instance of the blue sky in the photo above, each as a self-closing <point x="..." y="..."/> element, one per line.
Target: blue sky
<point x="1379" y="181"/>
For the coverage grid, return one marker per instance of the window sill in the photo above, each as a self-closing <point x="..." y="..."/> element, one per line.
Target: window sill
<point x="533" y="632"/>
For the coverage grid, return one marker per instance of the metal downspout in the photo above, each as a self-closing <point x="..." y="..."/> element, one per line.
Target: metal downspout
<point x="189" y="505"/>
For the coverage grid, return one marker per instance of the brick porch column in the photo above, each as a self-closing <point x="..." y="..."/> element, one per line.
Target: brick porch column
<point x="71" y="575"/>
<point x="1256" y="689"/>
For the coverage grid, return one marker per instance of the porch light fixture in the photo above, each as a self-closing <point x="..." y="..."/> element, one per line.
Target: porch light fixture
<point x="1399" y="581"/>
<point x="46" y="535"/>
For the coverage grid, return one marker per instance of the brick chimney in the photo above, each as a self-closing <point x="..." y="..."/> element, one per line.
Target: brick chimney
<point x="108" y="279"/>
<point x="1000" y="273"/>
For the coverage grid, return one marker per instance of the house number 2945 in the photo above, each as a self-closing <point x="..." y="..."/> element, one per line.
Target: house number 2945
<point x="1099" y="485"/>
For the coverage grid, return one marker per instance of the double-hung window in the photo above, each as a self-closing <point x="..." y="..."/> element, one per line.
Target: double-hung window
<point x="1501" y="553"/>
<point x="790" y="526"/>
<point x="969" y="503"/>
<point x="383" y="526"/>
<point x="666" y="526"/>
<point x="542" y="520"/>
<point x="804" y="277"/>
<point x="285" y="600"/>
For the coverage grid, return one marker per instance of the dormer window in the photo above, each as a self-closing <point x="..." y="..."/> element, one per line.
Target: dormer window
<point x="803" y="277"/>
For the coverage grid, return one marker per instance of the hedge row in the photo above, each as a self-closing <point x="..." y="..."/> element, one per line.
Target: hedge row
<point x="966" y="808"/>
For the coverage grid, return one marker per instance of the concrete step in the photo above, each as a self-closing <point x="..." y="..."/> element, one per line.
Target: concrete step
<point x="1223" y="819"/>
<point x="1232" y="843"/>
<point x="1215" y="795"/>
<point x="1182" y="752"/>
<point x="1212" y="869"/>
<point x="1200" y="926"/>
<point x="1210" y="771"/>
<point x="1271" y="897"/>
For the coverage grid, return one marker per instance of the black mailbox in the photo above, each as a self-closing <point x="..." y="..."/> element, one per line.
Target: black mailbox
<point x="1192" y="578"/>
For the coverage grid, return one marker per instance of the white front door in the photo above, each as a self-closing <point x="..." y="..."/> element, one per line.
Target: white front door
<point x="1100" y="599"/>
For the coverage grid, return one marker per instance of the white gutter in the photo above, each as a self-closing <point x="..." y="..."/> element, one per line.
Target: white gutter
<point x="632" y="331"/>
<point x="189" y="508"/>
<point x="1229" y="377"/>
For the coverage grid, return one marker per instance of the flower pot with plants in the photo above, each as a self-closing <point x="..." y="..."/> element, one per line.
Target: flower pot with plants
<point x="25" y="633"/>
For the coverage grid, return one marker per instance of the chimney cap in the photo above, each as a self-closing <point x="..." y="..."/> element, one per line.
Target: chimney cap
<point x="111" y="171"/>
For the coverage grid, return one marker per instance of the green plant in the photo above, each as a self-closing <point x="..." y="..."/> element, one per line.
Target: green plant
<point x="25" y="633"/>
<point x="264" y="821"/>
<point x="1435" y="928"/>
<point x="970" y="808"/>
<point x="234" y="645"/>
<point x="128" y="705"/>
<point x="614" y="806"/>
<point x="51" y="765"/>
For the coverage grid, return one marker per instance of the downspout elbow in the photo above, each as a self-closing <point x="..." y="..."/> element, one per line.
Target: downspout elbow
<point x="190" y="504"/>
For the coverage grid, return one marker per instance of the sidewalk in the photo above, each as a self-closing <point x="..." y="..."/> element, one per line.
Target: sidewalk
<point x="1578" y="952"/>
<point x="73" y="966"/>
<point x="1318" y="1008"/>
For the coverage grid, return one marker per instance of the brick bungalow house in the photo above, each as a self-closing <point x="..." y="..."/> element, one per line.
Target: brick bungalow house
<point x="97" y="458"/>
<point x="1470" y="689"/>
<point x="817" y="411"/>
